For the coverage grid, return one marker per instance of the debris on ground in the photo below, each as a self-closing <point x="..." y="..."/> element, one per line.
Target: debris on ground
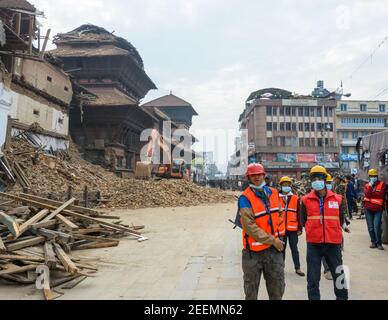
<point x="38" y="235"/>
<point x="39" y="173"/>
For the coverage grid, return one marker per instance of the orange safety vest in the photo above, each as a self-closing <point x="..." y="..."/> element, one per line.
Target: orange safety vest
<point x="323" y="227"/>
<point x="290" y="214"/>
<point x="267" y="221"/>
<point x="373" y="200"/>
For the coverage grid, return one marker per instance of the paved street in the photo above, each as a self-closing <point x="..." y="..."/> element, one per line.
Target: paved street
<point x="193" y="253"/>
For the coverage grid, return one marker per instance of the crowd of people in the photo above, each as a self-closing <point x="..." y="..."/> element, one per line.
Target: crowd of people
<point x="272" y="216"/>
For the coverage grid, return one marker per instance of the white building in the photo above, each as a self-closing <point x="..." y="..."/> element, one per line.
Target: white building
<point x="356" y="119"/>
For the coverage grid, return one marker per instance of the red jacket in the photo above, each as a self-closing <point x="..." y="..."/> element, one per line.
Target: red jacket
<point x="372" y="193"/>
<point x="323" y="227"/>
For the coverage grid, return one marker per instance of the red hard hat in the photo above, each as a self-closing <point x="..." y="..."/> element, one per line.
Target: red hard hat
<point x="255" y="168"/>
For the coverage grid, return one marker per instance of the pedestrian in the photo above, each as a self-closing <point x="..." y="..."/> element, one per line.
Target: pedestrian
<point x="291" y="227"/>
<point x="259" y="208"/>
<point x="322" y="215"/>
<point x="374" y="202"/>
<point x="268" y="181"/>
<point x="350" y="195"/>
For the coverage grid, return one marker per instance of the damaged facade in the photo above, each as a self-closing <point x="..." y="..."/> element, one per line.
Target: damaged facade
<point x="38" y="91"/>
<point x="107" y="125"/>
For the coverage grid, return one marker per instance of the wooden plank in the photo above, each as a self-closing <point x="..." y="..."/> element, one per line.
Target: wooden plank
<point x="36" y="218"/>
<point x="49" y="255"/>
<point x="68" y="224"/>
<point x="44" y="225"/>
<point x="59" y="210"/>
<point x="91" y="238"/>
<point x="59" y="282"/>
<point x="18" y="278"/>
<point x="50" y="295"/>
<point x="12" y="269"/>
<point x="72" y="284"/>
<point x="21" y="258"/>
<point x="10" y="223"/>
<point x="97" y="245"/>
<point x="53" y="235"/>
<point x="55" y="203"/>
<point x="24" y="244"/>
<point x="91" y="230"/>
<point x="66" y="261"/>
<point x="74" y="214"/>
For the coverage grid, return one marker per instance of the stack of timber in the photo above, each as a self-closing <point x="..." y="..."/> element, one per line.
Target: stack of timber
<point x="40" y="234"/>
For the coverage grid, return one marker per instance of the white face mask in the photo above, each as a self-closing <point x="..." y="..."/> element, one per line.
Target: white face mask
<point x="329" y="187"/>
<point x="286" y="189"/>
<point x="260" y="187"/>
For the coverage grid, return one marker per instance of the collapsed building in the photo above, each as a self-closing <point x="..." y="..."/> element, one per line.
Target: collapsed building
<point x="35" y="92"/>
<point x="106" y="126"/>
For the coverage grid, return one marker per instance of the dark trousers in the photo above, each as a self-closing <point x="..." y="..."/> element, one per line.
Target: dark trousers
<point x="374" y="223"/>
<point x="333" y="256"/>
<point x="293" y="238"/>
<point x="326" y="268"/>
<point x="350" y="202"/>
<point x="269" y="263"/>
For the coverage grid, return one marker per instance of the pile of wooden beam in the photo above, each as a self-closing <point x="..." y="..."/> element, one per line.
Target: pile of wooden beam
<point x="39" y="234"/>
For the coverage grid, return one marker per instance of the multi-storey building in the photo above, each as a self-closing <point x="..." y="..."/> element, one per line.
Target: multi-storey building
<point x="355" y="119"/>
<point x="289" y="134"/>
<point x="107" y="128"/>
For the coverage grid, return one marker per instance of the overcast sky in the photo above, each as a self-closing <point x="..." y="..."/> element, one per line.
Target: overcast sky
<point x="215" y="53"/>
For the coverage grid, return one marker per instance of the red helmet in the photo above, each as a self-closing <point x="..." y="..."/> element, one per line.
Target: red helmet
<point x="255" y="168"/>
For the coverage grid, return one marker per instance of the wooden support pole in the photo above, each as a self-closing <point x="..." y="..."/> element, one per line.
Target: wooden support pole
<point x="55" y="203"/>
<point x="36" y="218"/>
<point x="25" y="244"/>
<point x="59" y="210"/>
<point x="45" y="43"/>
<point x="66" y="261"/>
<point x="68" y="224"/>
<point x="31" y="34"/>
<point x="18" y="23"/>
<point x="49" y="255"/>
<point x="86" y="197"/>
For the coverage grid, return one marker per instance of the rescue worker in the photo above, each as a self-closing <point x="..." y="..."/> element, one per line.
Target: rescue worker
<point x="329" y="182"/>
<point x="260" y="213"/>
<point x="339" y="187"/>
<point x="374" y="202"/>
<point x="291" y="228"/>
<point x="326" y="269"/>
<point x="322" y="215"/>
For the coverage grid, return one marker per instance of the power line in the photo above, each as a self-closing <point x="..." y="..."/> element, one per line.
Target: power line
<point x="369" y="57"/>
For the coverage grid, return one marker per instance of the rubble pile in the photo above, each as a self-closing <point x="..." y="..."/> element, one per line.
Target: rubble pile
<point x="45" y="174"/>
<point x="38" y="236"/>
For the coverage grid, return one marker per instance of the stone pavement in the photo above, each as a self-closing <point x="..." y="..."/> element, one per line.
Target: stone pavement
<point x="193" y="253"/>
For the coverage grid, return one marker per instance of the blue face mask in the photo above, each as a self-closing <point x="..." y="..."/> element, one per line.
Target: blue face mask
<point x="329" y="187"/>
<point x="318" y="185"/>
<point x="373" y="180"/>
<point x="286" y="189"/>
<point x="258" y="187"/>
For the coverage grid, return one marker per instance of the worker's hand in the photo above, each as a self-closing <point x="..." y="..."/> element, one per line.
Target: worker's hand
<point x="300" y="232"/>
<point x="279" y="245"/>
<point x="347" y="230"/>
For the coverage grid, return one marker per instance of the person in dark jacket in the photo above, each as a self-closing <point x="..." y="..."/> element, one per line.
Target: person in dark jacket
<point x="374" y="203"/>
<point x="350" y="195"/>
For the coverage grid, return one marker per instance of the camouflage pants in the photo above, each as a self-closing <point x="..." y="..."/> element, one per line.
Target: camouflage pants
<point x="270" y="263"/>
